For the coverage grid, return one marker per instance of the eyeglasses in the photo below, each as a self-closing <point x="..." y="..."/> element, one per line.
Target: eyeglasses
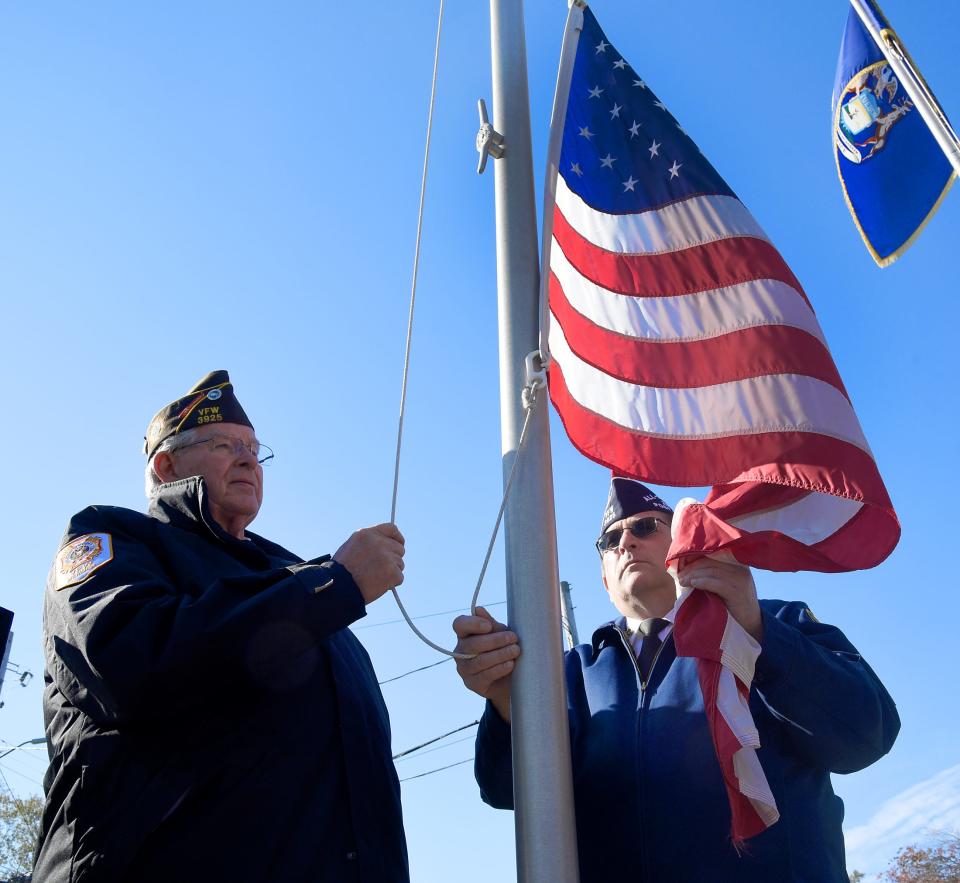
<point x="228" y="445"/>
<point x="641" y="528"/>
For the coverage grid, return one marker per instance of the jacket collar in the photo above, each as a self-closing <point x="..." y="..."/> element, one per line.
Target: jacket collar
<point x="184" y="504"/>
<point x="608" y="632"/>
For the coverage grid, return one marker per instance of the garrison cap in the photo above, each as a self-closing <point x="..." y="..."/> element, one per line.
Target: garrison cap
<point x="628" y="497"/>
<point x="210" y="400"/>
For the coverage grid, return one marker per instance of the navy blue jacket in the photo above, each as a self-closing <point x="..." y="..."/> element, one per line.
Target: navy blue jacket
<point x="209" y="716"/>
<point x="650" y="801"/>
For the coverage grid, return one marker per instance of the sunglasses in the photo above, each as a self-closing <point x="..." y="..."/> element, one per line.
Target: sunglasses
<point x="640" y="529"/>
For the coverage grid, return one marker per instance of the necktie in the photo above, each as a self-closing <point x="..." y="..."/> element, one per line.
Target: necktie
<point x="650" y="629"/>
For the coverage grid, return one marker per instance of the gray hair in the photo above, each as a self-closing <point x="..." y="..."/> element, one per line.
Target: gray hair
<point x="152" y="481"/>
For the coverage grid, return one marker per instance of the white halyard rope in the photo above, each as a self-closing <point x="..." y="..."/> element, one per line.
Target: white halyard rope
<point x="529" y="398"/>
<point x="416" y="267"/>
<point x="529" y="405"/>
<point x="530" y="402"/>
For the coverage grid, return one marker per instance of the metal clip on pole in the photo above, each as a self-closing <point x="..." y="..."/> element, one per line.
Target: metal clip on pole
<point x="489" y="140"/>
<point x="536" y="378"/>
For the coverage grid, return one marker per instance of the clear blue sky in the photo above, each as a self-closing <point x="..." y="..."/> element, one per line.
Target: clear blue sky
<point x="234" y="185"/>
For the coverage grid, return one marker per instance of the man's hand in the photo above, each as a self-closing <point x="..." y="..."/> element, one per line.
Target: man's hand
<point x="374" y="557"/>
<point x="734" y="584"/>
<point x="494" y="649"/>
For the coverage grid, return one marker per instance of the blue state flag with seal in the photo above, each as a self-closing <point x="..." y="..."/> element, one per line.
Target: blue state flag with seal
<point x="893" y="172"/>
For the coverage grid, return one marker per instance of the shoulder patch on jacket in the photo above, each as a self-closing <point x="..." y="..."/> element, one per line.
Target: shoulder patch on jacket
<point x="81" y="557"/>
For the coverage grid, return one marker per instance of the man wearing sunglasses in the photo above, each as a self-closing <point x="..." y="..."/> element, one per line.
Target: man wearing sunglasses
<point x="208" y="714"/>
<point x="651" y="805"/>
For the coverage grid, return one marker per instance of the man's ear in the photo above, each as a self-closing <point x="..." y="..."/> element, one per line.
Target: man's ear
<point x="165" y="468"/>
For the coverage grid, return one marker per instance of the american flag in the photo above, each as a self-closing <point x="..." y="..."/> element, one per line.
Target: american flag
<point x="685" y="352"/>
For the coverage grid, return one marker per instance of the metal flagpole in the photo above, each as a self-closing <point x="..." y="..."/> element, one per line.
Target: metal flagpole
<point x="569" y="620"/>
<point x="542" y="781"/>
<point x="922" y="96"/>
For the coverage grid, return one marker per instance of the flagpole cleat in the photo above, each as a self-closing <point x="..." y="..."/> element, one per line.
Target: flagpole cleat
<point x="489" y="140"/>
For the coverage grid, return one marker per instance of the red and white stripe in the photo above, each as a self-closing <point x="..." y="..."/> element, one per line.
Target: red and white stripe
<point x="684" y="352"/>
<point x="726" y="656"/>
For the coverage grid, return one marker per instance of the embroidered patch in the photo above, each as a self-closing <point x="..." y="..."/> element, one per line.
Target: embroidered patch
<point x="81" y="557"/>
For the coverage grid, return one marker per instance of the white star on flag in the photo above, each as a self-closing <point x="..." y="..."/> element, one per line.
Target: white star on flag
<point x="602" y="46"/>
<point x="653" y="148"/>
<point x="586" y="133"/>
<point x="630" y="183"/>
<point x="606" y="162"/>
<point x="675" y="169"/>
<point x="615" y="111"/>
<point x="595" y="92"/>
<point x="620" y="65"/>
<point x="634" y="129"/>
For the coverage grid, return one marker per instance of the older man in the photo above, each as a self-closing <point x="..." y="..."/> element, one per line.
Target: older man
<point x="650" y="800"/>
<point x="208" y="713"/>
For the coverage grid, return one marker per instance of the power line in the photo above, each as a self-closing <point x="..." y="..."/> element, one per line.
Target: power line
<point x="414" y="671"/>
<point x="437" y="770"/>
<point x="23" y="746"/>
<point x="17" y="772"/>
<point x="19" y="805"/>
<point x="438" y="748"/>
<point x="374" y="625"/>
<point x="435" y="739"/>
<point x="17" y="765"/>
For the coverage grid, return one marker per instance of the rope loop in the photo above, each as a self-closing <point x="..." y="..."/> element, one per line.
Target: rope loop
<point x="529" y="396"/>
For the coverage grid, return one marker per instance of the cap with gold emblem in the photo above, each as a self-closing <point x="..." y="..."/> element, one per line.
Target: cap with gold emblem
<point x="211" y="400"/>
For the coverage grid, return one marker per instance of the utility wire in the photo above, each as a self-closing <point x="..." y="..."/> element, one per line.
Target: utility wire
<point x="437" y="770"/>
<point x="435" y="739"/>
<point x="24" y="746"/>
<point x="17" y="772"/>
<point x="374" y="625"/>
<point x="20" y="809"/>
<point x="21" y="768"/>
<point x="438" y="748"/>
<point x="414" y="671"/>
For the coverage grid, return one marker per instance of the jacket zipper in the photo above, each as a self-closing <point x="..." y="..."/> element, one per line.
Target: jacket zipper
<point x="633" y="656"/>
<point x="643" y="687"/>
<point x="653" y="662"/>
<point x="636" y="665"/>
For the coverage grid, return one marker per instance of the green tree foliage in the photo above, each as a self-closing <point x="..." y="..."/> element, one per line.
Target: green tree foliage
<point x="937" y="863"/>
<point x="19" y="826"/>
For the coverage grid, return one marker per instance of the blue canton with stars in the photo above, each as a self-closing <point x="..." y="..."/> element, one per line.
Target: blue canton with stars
<point x="622" y="150"/>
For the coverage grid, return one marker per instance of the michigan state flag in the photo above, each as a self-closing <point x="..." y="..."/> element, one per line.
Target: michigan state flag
<point x="892" y="170"/>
